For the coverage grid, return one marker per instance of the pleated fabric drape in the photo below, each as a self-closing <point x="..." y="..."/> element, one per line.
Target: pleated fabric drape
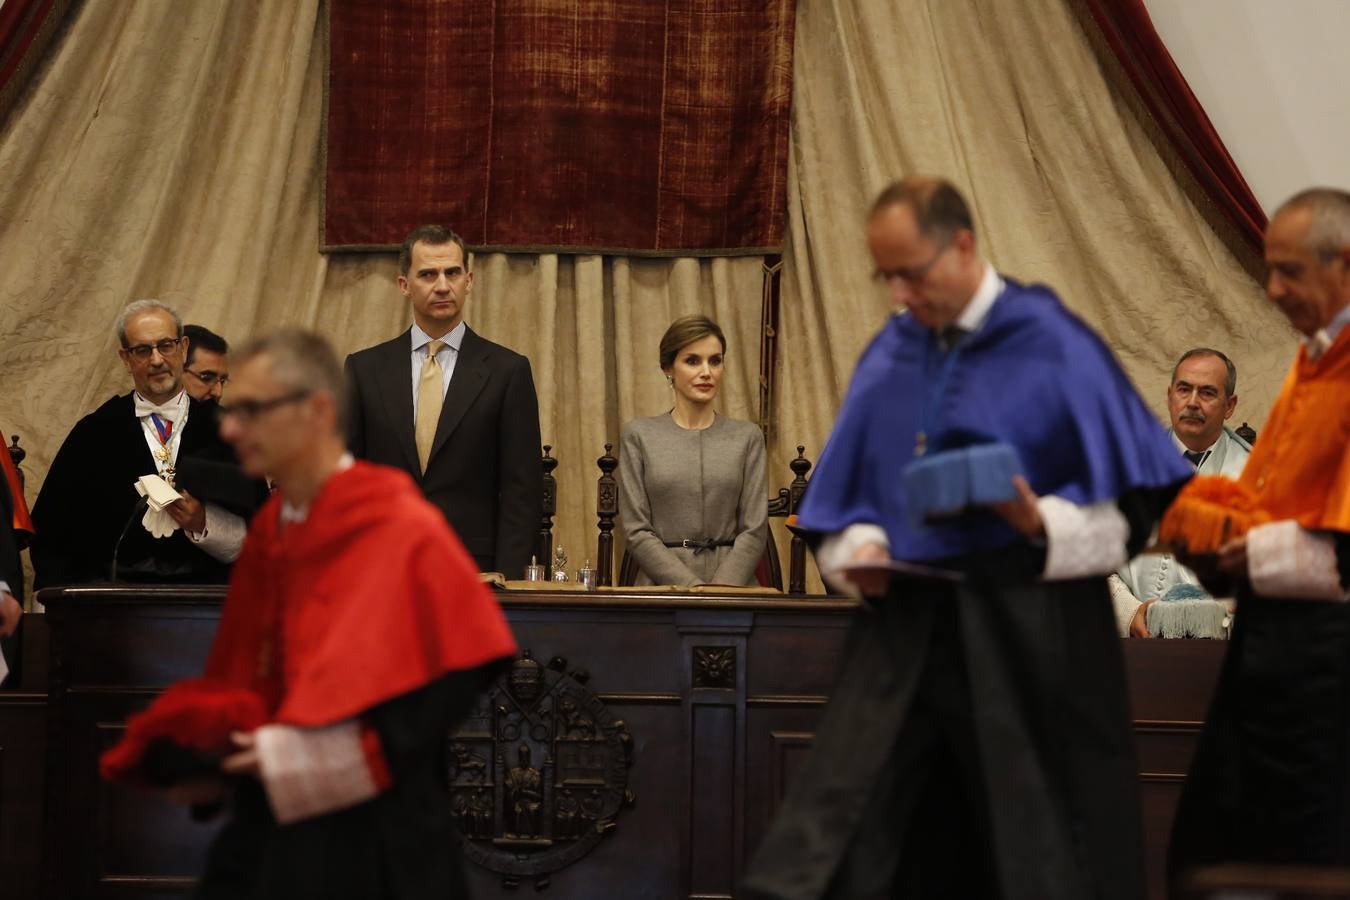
<point x="171" y="150"/>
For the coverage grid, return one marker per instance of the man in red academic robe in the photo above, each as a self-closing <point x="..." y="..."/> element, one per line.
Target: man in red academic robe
<point x="15" y="529"/>
<point x="358" y="618"/>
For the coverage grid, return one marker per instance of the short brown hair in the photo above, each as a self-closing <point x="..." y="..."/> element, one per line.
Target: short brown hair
<point x="436" y="236"/>
<point x="683" y="332"/>
<point x="939" y="209"/>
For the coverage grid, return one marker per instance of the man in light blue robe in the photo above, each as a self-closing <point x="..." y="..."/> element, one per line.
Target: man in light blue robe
<point x="1200" y="400"/>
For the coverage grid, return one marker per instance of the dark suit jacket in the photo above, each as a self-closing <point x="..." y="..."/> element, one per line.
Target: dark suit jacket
<point x="483" y="472"/>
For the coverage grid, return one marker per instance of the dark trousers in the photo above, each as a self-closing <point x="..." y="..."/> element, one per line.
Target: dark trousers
<point x="930" y="798"/>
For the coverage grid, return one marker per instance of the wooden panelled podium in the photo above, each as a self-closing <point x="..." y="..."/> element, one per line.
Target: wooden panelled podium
<point x="695" y="708"/>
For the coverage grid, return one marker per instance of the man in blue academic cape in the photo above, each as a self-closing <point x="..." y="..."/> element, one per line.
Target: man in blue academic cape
<point x="978" y="741"/>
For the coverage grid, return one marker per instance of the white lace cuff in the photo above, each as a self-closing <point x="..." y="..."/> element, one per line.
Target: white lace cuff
<point x="311" y="771"/>
<point x="837" y="550"/>
<point x="1286" y="560"/>
<point x="222" y="537"/>
<point x="1082" y="541"/>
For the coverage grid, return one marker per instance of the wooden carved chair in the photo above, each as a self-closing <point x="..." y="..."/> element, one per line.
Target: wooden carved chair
<point x="543" y="552"/>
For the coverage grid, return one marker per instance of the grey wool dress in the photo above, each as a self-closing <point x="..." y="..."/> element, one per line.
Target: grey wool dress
<point x="681" y="484"/>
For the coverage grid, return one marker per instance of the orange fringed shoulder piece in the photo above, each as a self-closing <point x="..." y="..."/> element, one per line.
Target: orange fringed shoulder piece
<point x="1208" y="512"/>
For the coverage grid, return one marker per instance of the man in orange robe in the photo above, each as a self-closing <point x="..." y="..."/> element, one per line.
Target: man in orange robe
<point x="1271" y="778"/>
<point x="358" y="617"/>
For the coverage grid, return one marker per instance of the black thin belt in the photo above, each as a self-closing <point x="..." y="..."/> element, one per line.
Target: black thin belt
<point x="699" y="546"/>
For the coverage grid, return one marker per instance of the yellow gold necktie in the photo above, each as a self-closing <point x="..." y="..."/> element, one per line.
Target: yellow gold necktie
<point x="428" y="403"/>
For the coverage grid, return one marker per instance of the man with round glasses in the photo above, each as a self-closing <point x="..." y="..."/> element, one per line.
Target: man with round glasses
<point x="206" y="370"/>
<point x="94" y="525"/>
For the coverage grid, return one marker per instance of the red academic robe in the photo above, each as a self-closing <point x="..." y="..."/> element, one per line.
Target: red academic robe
<point x="370" y="608"/>
<point x="370" y="597"/>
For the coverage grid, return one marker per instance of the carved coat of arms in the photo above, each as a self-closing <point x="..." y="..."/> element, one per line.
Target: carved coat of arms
<point x="538" y="772"/>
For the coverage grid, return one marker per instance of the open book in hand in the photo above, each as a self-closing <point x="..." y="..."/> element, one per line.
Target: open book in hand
<point x="896" y="567"/>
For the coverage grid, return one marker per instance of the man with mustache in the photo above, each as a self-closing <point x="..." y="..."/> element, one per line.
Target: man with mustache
<point x="88" y="516"/>
<point x="1200" y="399"/>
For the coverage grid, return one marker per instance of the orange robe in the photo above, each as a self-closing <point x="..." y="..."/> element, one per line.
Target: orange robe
<point x="1300" y="467"/>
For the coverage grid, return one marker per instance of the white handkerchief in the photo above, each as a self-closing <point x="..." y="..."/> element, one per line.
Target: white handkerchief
<point x="159" y="523"/>
<point x="4" y="667"/>
<point x="156" y="491"/>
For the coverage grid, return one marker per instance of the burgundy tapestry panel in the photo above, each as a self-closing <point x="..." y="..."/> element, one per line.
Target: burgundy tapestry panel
<point x="626" y="126"/>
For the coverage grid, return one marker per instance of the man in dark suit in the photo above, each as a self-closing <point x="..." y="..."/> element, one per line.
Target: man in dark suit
<point x="455" y="411"/>
<point x="88" y="516"/>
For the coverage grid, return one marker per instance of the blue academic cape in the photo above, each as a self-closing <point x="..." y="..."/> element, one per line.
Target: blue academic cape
<point x="1033" y="376"/>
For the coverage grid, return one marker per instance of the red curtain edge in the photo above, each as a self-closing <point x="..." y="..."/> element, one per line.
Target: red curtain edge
<point x="1130" y="33"/>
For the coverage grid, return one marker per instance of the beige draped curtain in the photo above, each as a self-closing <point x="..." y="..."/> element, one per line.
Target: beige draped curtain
<point x="170" y="149"/>
<point x="1009" y="101"/>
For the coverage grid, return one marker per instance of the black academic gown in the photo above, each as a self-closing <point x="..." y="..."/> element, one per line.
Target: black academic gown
<point x="400" y="845"/>
<point x="88" y="500"/>
<point x="1270" y="781"/>
<point x="977" y="744"/>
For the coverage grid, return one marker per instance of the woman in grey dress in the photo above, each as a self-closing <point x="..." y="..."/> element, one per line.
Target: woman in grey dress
<point x="693" y="497"/>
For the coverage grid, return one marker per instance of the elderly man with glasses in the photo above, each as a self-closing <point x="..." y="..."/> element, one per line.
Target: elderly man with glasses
<point x="93" y="524"/>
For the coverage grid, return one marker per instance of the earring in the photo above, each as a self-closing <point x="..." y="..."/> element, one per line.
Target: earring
<point x="670" y="380"/>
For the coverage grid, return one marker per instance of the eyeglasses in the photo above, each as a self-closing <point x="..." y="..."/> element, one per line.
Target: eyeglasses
<point x="917" y="273"/>
<point x="248" y="410"/>
<point x="142" y="351"/>
<point x="208" y="378"/>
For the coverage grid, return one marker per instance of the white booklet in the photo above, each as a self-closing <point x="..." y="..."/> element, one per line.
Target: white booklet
<point x="156" y="491"/>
